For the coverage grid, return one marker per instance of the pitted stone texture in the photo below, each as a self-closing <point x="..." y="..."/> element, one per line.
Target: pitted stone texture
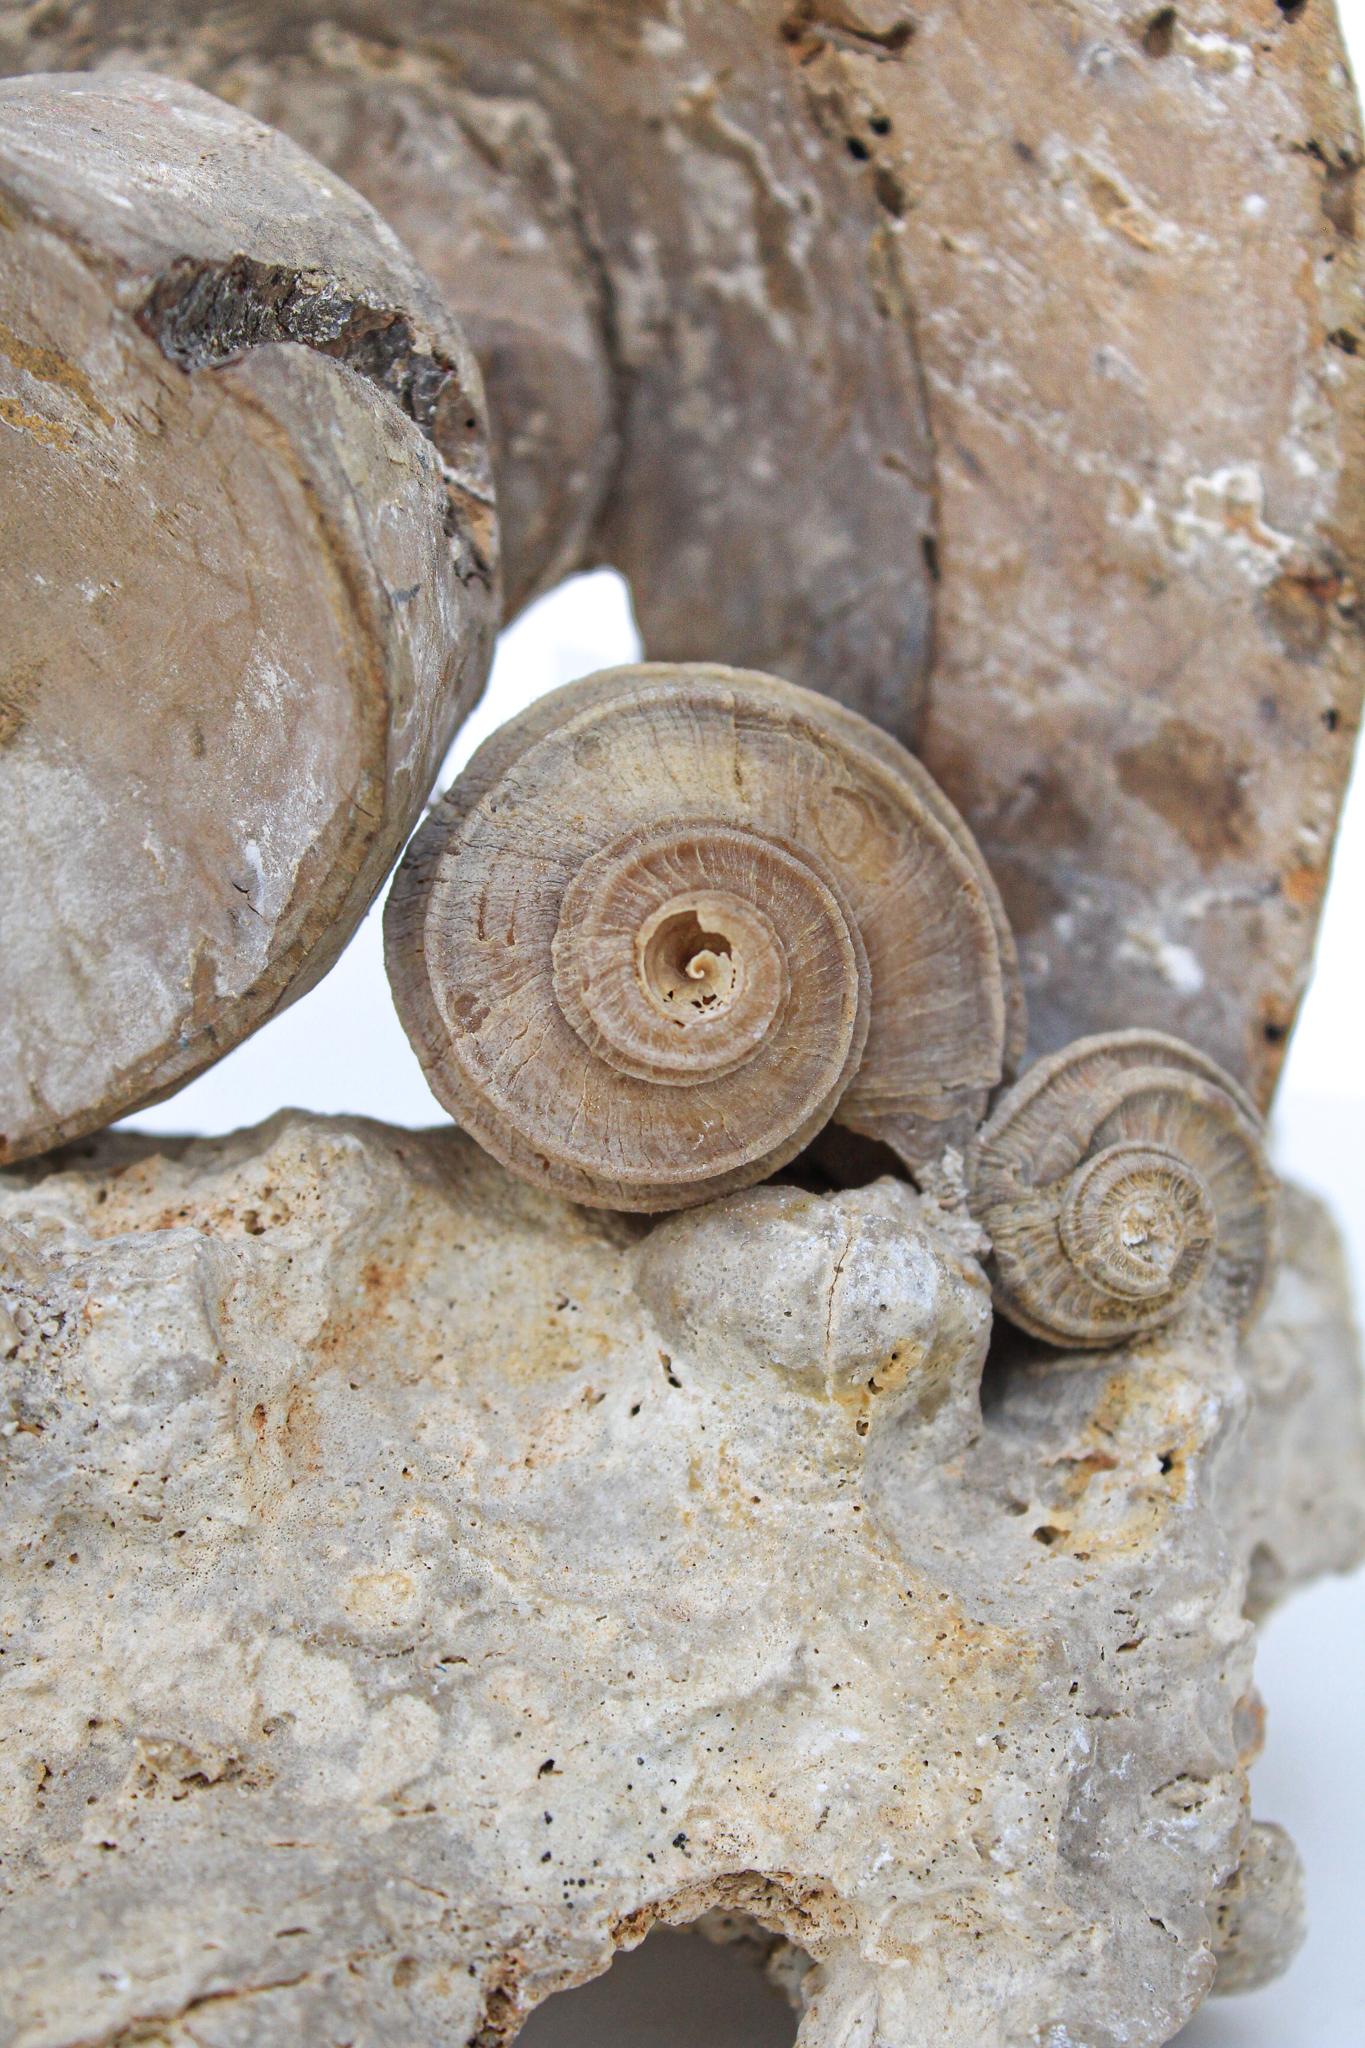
<point x="414" y="1587"/>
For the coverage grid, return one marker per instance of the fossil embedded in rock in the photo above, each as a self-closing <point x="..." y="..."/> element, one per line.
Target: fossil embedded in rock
<point x="1120" y="1180"/>
<point x="249" y="567"/>
<point x="685" y="299"/>
<point x="1092" y="543"/>
<point x="673" y="919"/>
<point x="458" y="1584"/>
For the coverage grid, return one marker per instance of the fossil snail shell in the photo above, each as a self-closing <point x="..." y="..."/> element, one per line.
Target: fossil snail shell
<point x="1119" y="1180"/>
<point x="674" y="918"/>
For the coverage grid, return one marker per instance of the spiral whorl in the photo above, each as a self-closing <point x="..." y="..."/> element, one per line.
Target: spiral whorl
<point x="674" y="917"/>
<point x="1120" y="1181"/>
<point x="1138" y="1222"/>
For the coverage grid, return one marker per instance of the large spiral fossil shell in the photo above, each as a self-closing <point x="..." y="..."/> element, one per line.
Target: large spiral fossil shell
<point x="1119" y="1181"/>
<point x="672" y="919"/>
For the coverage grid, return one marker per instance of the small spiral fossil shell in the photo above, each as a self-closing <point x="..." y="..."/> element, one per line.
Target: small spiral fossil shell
<point x="673" y="918"/>
<point x="1119" y="1180"/>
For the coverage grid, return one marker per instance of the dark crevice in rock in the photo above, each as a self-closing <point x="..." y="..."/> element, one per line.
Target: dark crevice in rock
<point x="1158" y="37"/>
<point x="1340" y="168"/>
<point x="599" y="280"/>
<point x="153" y="2027"/>
<point x="1011" y="1353"/>
<point x="205" y="315"/>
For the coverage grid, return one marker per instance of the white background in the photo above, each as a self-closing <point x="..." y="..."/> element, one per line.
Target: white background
<point x="341" y="1048"/>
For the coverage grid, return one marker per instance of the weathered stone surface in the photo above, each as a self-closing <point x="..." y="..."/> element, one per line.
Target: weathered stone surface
<point x="1132" y="245"/>
<point x="684" y="300"/>
<point x="1037" y="324"/>
<point x="413" y="1588"/>
<point x="1258" y="1916"/>
<point x="1305" y="1356"/>
<point x="248" y="559"/>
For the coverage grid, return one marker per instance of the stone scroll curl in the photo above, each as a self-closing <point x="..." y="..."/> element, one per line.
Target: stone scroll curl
<point x="997" y="370"/>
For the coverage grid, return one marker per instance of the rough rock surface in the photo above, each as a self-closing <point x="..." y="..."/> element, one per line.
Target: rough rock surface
<point x="1036" y="324"/>
<point x="247" y="582"/>
<point x="414" y="1587"/>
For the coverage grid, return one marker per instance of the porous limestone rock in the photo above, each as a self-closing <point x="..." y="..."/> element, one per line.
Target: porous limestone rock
<point x="414" y="1587"/>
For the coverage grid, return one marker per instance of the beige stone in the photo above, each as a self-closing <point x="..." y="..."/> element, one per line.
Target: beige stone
<point x="413" y="1588"/>
<point x="996" y="367"/>
<point x="249" y="567"/>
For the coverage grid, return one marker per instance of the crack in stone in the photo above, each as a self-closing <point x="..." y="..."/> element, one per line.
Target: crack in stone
<point x="207" y="315"/>
<point x="833" y="1289"/>
<point x="150" y="2027"/>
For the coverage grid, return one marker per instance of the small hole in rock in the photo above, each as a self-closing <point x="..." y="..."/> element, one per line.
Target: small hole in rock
<point x="677" y="1990"/>
<point x="1158" y="38"/>
<point x="891" y="194"/>
<point x="1292" y="9"/>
